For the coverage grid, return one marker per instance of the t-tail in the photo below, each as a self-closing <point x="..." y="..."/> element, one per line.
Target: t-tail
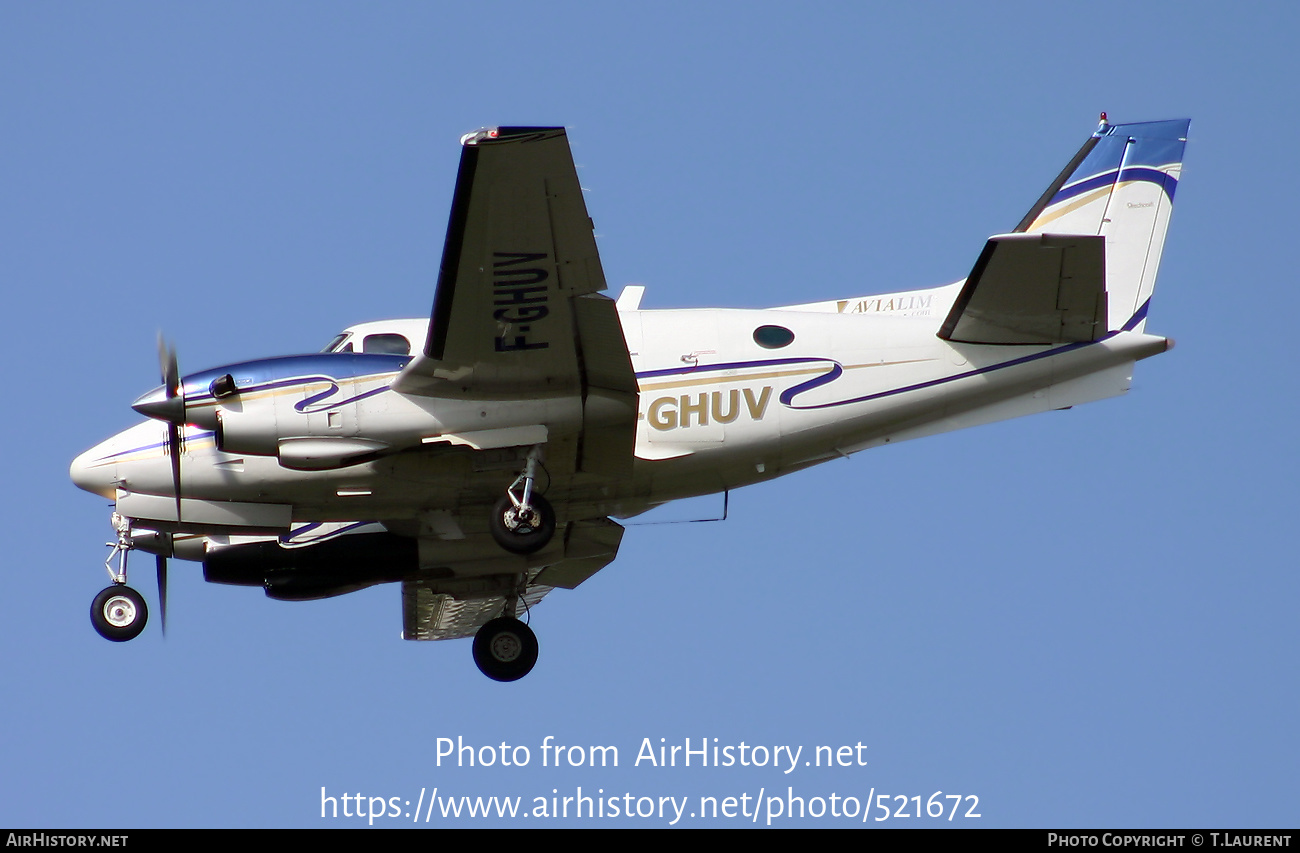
<point x="1082" y="263"/>
<point x="1120" y="186"/>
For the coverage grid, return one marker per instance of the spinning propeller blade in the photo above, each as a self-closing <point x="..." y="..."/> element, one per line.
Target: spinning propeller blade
<point x="171" y="377"/>
<point x="162" y="592"/>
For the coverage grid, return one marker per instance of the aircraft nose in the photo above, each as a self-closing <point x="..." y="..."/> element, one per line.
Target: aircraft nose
<point x="94" y="473"/>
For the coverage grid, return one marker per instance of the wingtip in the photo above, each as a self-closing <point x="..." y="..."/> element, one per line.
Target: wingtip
<point x="479" y="135"/>
<point x="505" y="133"/>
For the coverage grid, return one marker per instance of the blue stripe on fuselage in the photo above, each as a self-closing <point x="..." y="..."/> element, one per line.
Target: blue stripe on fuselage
<point x="835" y="369"/>
<point x="267" y="373"/>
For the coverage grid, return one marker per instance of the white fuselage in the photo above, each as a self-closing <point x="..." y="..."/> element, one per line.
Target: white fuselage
<point x="722" y="405"/>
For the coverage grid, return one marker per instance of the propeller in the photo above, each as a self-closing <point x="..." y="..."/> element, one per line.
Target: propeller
<point x="167" y="404"/>
<point x="174" y="400"/>
<point x="162" y="592"/>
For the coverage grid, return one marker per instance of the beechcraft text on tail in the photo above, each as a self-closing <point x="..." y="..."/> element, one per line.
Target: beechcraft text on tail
<point x="479" y="457"/>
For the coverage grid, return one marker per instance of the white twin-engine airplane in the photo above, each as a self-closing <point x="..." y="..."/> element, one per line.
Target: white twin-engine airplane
<point x="483" y="470"/>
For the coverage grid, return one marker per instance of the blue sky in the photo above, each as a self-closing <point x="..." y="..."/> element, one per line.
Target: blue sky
<point x="1082" y="618"/>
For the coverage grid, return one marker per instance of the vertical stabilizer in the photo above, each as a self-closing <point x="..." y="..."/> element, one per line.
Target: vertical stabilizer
<point x="1120" y="186"/>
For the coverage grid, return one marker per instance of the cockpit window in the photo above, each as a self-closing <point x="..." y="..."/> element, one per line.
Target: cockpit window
<point x="387" y="344"/>
<point x="333" y="346"/>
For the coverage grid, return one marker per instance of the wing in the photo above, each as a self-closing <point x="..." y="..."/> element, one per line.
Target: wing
<point x="1033" y="289"/>
<point x="517" y="312"/>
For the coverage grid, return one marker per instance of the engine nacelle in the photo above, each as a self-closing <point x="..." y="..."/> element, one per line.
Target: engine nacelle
<point x="258" y="407"/>
<point x="255" y="433"/>
<point x="308" y="572"/>
<point x="247" y="431"/>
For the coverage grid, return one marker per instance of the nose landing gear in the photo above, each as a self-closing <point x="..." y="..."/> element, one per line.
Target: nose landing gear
<point x="119" y="613"/>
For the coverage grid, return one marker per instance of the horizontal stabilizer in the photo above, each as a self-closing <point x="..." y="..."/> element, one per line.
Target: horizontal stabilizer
<point x="1033" y="289"/>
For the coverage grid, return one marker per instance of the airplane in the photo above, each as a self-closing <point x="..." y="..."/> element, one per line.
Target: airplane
<point x="480" y="457"/>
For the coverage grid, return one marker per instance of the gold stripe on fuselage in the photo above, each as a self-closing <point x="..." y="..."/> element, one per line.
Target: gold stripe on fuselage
<point x="771" y="374"/>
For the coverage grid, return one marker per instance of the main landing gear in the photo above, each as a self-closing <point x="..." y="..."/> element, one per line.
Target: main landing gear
<point x="505" y="648"/>
<point x="118" y="612"/>
<point x="523" y="522"/>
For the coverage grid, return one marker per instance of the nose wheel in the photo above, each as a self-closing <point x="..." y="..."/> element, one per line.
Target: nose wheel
<point x="119" y="613"/>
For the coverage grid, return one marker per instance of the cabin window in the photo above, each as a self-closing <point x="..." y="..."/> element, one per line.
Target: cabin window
<point x="387" y="344"/>
<point x="773" y="337"/>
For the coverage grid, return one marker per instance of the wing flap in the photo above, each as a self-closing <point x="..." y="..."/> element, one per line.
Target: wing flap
<point x="589" y="547"/>
<point x="430" y="611"/>
<point x="430" y="615"/>
<point x="1033" y="289"/>
<point x="609" y="402"/>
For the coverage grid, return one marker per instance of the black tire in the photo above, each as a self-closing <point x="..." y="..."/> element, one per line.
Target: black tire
<point x="119" y="613"/>
<point x="505" y="649"/>
<point x="520" y="535"/>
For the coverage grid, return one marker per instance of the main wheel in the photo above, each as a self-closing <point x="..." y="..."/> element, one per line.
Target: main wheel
<point x="505" y="649"/>
<point x="118" y="613"/>
<point x="522" y="531"/>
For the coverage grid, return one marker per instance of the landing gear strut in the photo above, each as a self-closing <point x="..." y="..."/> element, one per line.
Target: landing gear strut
<point x="523" y="523"/>
<point x="118" y="612"/>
